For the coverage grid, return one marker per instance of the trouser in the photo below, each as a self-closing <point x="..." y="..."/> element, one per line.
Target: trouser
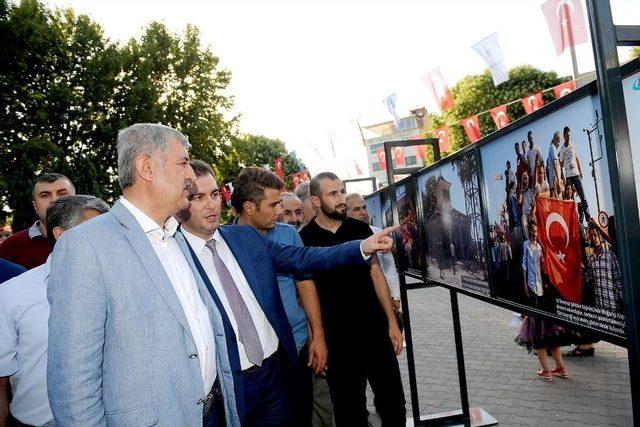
<point x="303" y="391"/>
<point x="576" y="182"/>
<point x="322" y="408"/>
<point x="267" y="394"/>
<point x="351" y="364"/>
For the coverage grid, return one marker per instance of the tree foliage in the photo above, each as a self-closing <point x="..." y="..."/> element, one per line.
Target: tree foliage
<point x="257" y="150"/>
<point x="65" y="91"/>
<point x="635" y="52"/>
<point x="477" y="93"/>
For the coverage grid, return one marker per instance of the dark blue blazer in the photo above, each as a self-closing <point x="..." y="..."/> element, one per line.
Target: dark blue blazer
<point x="260" y="259"/>
<point x="9" y="270"/>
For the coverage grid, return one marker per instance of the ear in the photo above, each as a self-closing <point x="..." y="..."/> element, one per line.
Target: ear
<point x="57" y="232"/>
<point x="145" y="168"/>
<point x="315" y="201"/>
<point x="249" y="208"/>
<point x="33" y="203"/>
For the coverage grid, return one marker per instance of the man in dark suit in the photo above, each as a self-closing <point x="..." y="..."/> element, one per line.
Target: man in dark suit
<point x="239" y="267"/>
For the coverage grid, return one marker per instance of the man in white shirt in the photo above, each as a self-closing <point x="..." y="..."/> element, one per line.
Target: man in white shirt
<point x="134" y="335"/>
<point x="533" y="155"/>
<point x="357" y="208"/>
<point x="573" y="169"/>
<point x="24" y="315"/>
<point x="239" y="266"/>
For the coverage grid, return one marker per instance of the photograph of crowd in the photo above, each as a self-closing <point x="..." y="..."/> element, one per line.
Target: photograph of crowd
<point x="374" y="210"/>
<point x="551" y="224"/>
<point x="408" y="242"/>
<point x="454" y="238"/>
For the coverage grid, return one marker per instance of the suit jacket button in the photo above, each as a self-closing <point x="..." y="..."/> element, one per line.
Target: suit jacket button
<point x="233" y="339"/>
<point x="193" y="356"/>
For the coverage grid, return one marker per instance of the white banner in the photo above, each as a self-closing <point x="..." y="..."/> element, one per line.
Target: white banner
<point x="489" y="49"/>
<point x="390" y="102"/>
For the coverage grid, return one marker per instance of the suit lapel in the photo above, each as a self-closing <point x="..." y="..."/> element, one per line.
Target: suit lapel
<point x="147" y="255"/>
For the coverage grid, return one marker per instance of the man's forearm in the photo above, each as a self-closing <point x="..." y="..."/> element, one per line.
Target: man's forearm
<point x="382" y="290"/>
<point x="311" y="305"/>
<point x="4" y="401"/>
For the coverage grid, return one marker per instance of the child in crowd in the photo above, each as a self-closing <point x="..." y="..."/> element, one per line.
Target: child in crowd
<point x="536" y="334"/>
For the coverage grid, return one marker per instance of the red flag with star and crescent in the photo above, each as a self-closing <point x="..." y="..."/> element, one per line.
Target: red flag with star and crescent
<point x="533" y="102"/>
<point x="278" y="168"/>
<point x="500" y="117"/>
<point x="564" y="89"/>
<point x="442" y="134"/>
<point x="559" y="235"/>
<point x="472" y="128"/>
<point x="382" y="160"/>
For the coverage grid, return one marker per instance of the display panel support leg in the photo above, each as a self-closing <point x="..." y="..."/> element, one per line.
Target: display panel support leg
<point x="464" y="417"/>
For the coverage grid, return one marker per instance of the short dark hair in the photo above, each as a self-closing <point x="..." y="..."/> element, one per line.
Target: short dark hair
<point x="49" y="177"/>
<point x="67" y="211"/>
<point x="314" y="185"/>
<point x="592" y="226"/>
<point x="250" y="184"/>
<point x="532" y="222"/>
<point x="529" y="133"/>
<point x="565" y="130"/>
<point x="201" y="168"/>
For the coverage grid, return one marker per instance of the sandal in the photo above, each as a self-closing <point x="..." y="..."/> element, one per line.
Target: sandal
<point x="580" y="352"/>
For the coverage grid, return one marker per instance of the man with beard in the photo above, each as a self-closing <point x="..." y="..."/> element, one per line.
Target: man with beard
<point x="292" y="210"/>
<point x="355" y="298"/>
<point x="238" y="265"/>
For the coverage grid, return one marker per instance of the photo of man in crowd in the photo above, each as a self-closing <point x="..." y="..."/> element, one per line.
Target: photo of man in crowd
<point x="409" y="243"/>
<point x="574" y="255"/>
<point x="453" y="234"/>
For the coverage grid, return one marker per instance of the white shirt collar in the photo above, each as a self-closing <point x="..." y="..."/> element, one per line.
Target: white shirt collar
<point x="197" y="243"/>
<point x="34" y="230"/>
<point x="149" y="226"/>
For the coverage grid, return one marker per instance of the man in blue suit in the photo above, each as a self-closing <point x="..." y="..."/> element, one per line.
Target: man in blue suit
<point x="239" y="267"/>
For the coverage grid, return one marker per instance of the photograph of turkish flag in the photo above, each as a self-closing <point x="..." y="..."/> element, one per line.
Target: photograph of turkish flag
<point x="443" y="138"/>
<point x="533" y="102"/>
<point x="421" y="151"/>
<point x="278" y="167"/>
<point x="559" y="235"/>
<point x="500" y="117"/>
<point x="398" y="155"/>
<point x="381" y="158"/>
<point x="565" y="19"/>
<point x="472" y="128"/>
<point x="564" y="89"/>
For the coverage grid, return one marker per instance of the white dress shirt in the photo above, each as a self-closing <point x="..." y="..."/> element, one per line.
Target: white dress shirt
<point x="388" y="266"/>
<point x="24" y="334"/>
<point x="266" y="333"/>
<point x="184" y="283"/>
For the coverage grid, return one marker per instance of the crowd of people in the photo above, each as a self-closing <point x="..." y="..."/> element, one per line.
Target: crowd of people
<point x="559" y="175"/>
<point x="149" y="312"/>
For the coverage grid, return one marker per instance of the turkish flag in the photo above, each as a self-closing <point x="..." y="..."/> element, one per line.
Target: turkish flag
<point x="304" y="176"/>
<point x="559" y="235"/>
<point x="472" y="128"/>
<point x="295" y="179"/>
<point x="421" y="151"/>
<point x="564" y="89"/>
<point x="565" y="19"/>
<point x="443" y="138"/>
<point x="226" y="194"/>
<point x="500" y="117"/>
<point x="533" y="102"/>
<point x="398" y="155"/>
<point x="438" y="88"/>
<point x="381" y="158"/>
<point x="278" y="168"/>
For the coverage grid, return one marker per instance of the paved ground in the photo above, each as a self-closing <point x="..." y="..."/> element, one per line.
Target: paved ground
<point x="501" y="376"/>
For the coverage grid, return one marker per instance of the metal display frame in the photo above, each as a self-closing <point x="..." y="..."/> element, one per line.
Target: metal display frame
<point x="608" y="87"/>
<point x="374" y="183"/>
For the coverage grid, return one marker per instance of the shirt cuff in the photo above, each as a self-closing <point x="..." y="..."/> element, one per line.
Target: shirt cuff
<point x="366" y="257"/>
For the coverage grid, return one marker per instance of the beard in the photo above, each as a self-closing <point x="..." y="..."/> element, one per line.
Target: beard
<point x="334" y="213"/>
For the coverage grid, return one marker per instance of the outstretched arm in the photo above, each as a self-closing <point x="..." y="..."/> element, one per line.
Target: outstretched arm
<point x="384" y="297"/>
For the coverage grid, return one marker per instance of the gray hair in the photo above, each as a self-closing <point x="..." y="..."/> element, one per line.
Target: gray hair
<point x="353" y="196"/>
<point x="143" y="139"/>
<point x="302" y="191"/>
<point x="287" y="196"/>
<point x="67" y="211"/>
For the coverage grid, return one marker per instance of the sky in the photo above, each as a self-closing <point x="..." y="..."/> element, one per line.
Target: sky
<point x="304" y="69"/>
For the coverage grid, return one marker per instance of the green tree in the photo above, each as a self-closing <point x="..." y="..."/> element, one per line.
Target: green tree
<point x="477" y="93"/>
<point x="66" y="91"/>
<point x="635" y="52"/>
